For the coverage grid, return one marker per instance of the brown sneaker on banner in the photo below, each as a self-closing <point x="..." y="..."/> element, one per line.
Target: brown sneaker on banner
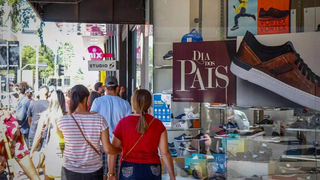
<point x="279" y="69"/>
<point x="272" y="14"/>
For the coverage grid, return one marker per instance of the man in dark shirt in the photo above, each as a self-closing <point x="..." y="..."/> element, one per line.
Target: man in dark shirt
<point x="22" y="109"/>
<point x="35" y="110"/>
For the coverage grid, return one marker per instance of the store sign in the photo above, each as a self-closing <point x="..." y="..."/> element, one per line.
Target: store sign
<point x="96" y="53"/>
<point x="162" y="108"/>
<point x="102" y="65"/>
<point x="201" y="72"/>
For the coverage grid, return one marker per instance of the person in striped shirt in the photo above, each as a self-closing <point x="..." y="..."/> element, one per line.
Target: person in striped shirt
<point x="82" y="160"/>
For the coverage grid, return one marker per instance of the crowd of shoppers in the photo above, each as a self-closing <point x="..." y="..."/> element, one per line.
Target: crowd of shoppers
<point x="92" y="135"/>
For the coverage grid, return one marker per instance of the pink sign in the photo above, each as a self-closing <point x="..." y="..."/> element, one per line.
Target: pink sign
<point x="96" y="53"/>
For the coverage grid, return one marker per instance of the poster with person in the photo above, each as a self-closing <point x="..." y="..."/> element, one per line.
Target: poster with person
<point x="242" y="17"/>
<point x="258" y="16"/>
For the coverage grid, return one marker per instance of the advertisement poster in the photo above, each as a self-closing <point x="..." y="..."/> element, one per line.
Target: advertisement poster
<point x="162" y="108"/>
<point x="274" y="17"/>
<point x="201" y="72"/>
<point x="258" y="16"/>
<point x="242" y="17"/>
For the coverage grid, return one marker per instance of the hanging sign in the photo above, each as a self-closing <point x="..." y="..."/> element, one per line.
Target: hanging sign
<point x="201" y="72"/>
<point x="102" y="65"/>
<point x="96" y="53"/>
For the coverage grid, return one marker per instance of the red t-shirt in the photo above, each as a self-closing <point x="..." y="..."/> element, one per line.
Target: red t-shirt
<point x="146" y="151"/>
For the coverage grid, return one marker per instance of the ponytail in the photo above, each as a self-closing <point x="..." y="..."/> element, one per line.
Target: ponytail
<point x="141" y="102"/>
<point x="74" y="102"/>
<point x="142" y="124"/>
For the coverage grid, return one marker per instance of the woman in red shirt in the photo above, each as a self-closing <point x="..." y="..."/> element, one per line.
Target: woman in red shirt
<point x="140" y="136"/>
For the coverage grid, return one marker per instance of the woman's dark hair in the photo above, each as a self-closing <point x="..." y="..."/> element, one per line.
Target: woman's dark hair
<point x="141" y="101"/>
<point x="97" y="86"/>
<point x="23" y="86"/>
<point x="78" y="94"/>
<point x="62" y="101"/>
<point x="93" y="96"/>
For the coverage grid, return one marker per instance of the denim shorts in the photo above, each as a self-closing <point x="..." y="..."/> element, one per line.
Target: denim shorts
<point x="134" y="171"/>
<point x="70" y="175"/>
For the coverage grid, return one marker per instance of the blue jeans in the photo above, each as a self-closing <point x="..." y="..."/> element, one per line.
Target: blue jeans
<point x="134" y="171"/>
<point x="242" y="14"/>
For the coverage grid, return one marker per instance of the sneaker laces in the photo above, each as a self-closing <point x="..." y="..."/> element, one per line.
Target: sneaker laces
<point x="306" y="71"/>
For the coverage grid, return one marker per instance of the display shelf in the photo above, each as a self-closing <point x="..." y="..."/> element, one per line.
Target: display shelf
<point x="164" y="67"/>
<point x="302" y="158"/>
<point x="303" y="130"/>
<point x="190" y="129"/>
<point x="265" y="125"/>
<point x="166" y="177"/>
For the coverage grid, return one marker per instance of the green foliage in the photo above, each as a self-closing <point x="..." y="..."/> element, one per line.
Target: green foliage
<point x="66" y="53"/>
<point x="78" y="78"/>
<point x="20" y="15"/>
<point x="46" y="55"/>
<point x="2" y="2"/>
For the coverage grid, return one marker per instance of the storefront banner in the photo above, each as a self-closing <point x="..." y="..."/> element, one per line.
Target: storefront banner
<point x="274" y="17"/>
<point x="258" y="16"/>
<point x="162" y="108"/>
<point x="201" y="72"/>
<point x="102" y="65"/>
<point x="96" y="53"/>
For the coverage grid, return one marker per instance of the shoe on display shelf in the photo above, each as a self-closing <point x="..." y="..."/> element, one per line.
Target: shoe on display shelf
<point x="168" y="56"/>
<point x="279" y="69"/>
<point x="180" y="116"/>
<point x="182" y="146"/>
<point x="171" y="145"/>
<point x="181" y="125"/>
<point x="310" y="122"/>
<point x="173" y="152"/>
<point x="272" y="14"/>
<point x="222" y="133"/>
<point x="241" y="120"/>
<point x="191" y="116"/>
<point x="191" y="149"/>
<point x="266" y="120"/>
<point x="183" y="137"/>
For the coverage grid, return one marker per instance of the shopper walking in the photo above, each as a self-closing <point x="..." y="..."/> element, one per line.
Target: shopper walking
<point x="82" y="132"/>
<point x="35" y="110"/>
<point x="53" y="143"/>
<point x="112" y="108"/>
<point x="140" y="136"/>
<point x="22" y="110"/>
<point x="92" y="97"/>
<point x="98" y="87"/>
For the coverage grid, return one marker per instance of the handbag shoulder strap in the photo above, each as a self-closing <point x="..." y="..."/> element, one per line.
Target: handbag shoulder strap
<point x="85" y="136"/>
<point x="135" y="144"/>
<point x="193" y="31"/>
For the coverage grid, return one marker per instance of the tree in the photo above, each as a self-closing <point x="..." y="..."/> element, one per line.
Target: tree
<point x="66" y="53"/>
<point x="46" y="55"/>
<point x="77" y="79"/>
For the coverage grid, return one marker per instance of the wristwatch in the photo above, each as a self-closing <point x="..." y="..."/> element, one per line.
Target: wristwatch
<point x="111" y="174"/>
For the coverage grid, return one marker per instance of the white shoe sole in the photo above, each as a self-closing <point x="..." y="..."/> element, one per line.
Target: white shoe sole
<point x="264" y="80"/>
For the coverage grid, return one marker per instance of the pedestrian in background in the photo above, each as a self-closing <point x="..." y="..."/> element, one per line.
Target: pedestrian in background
<point x="98" y="87"/>
<point x="112" y="108"/>
<point x="141" y="135"/>
<point x="53" y="144"/>
<point x="82" y="132"/>
<point x="35" y="110"/>
<point x="92" y="97"/>
<point x="22" y="110"/>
